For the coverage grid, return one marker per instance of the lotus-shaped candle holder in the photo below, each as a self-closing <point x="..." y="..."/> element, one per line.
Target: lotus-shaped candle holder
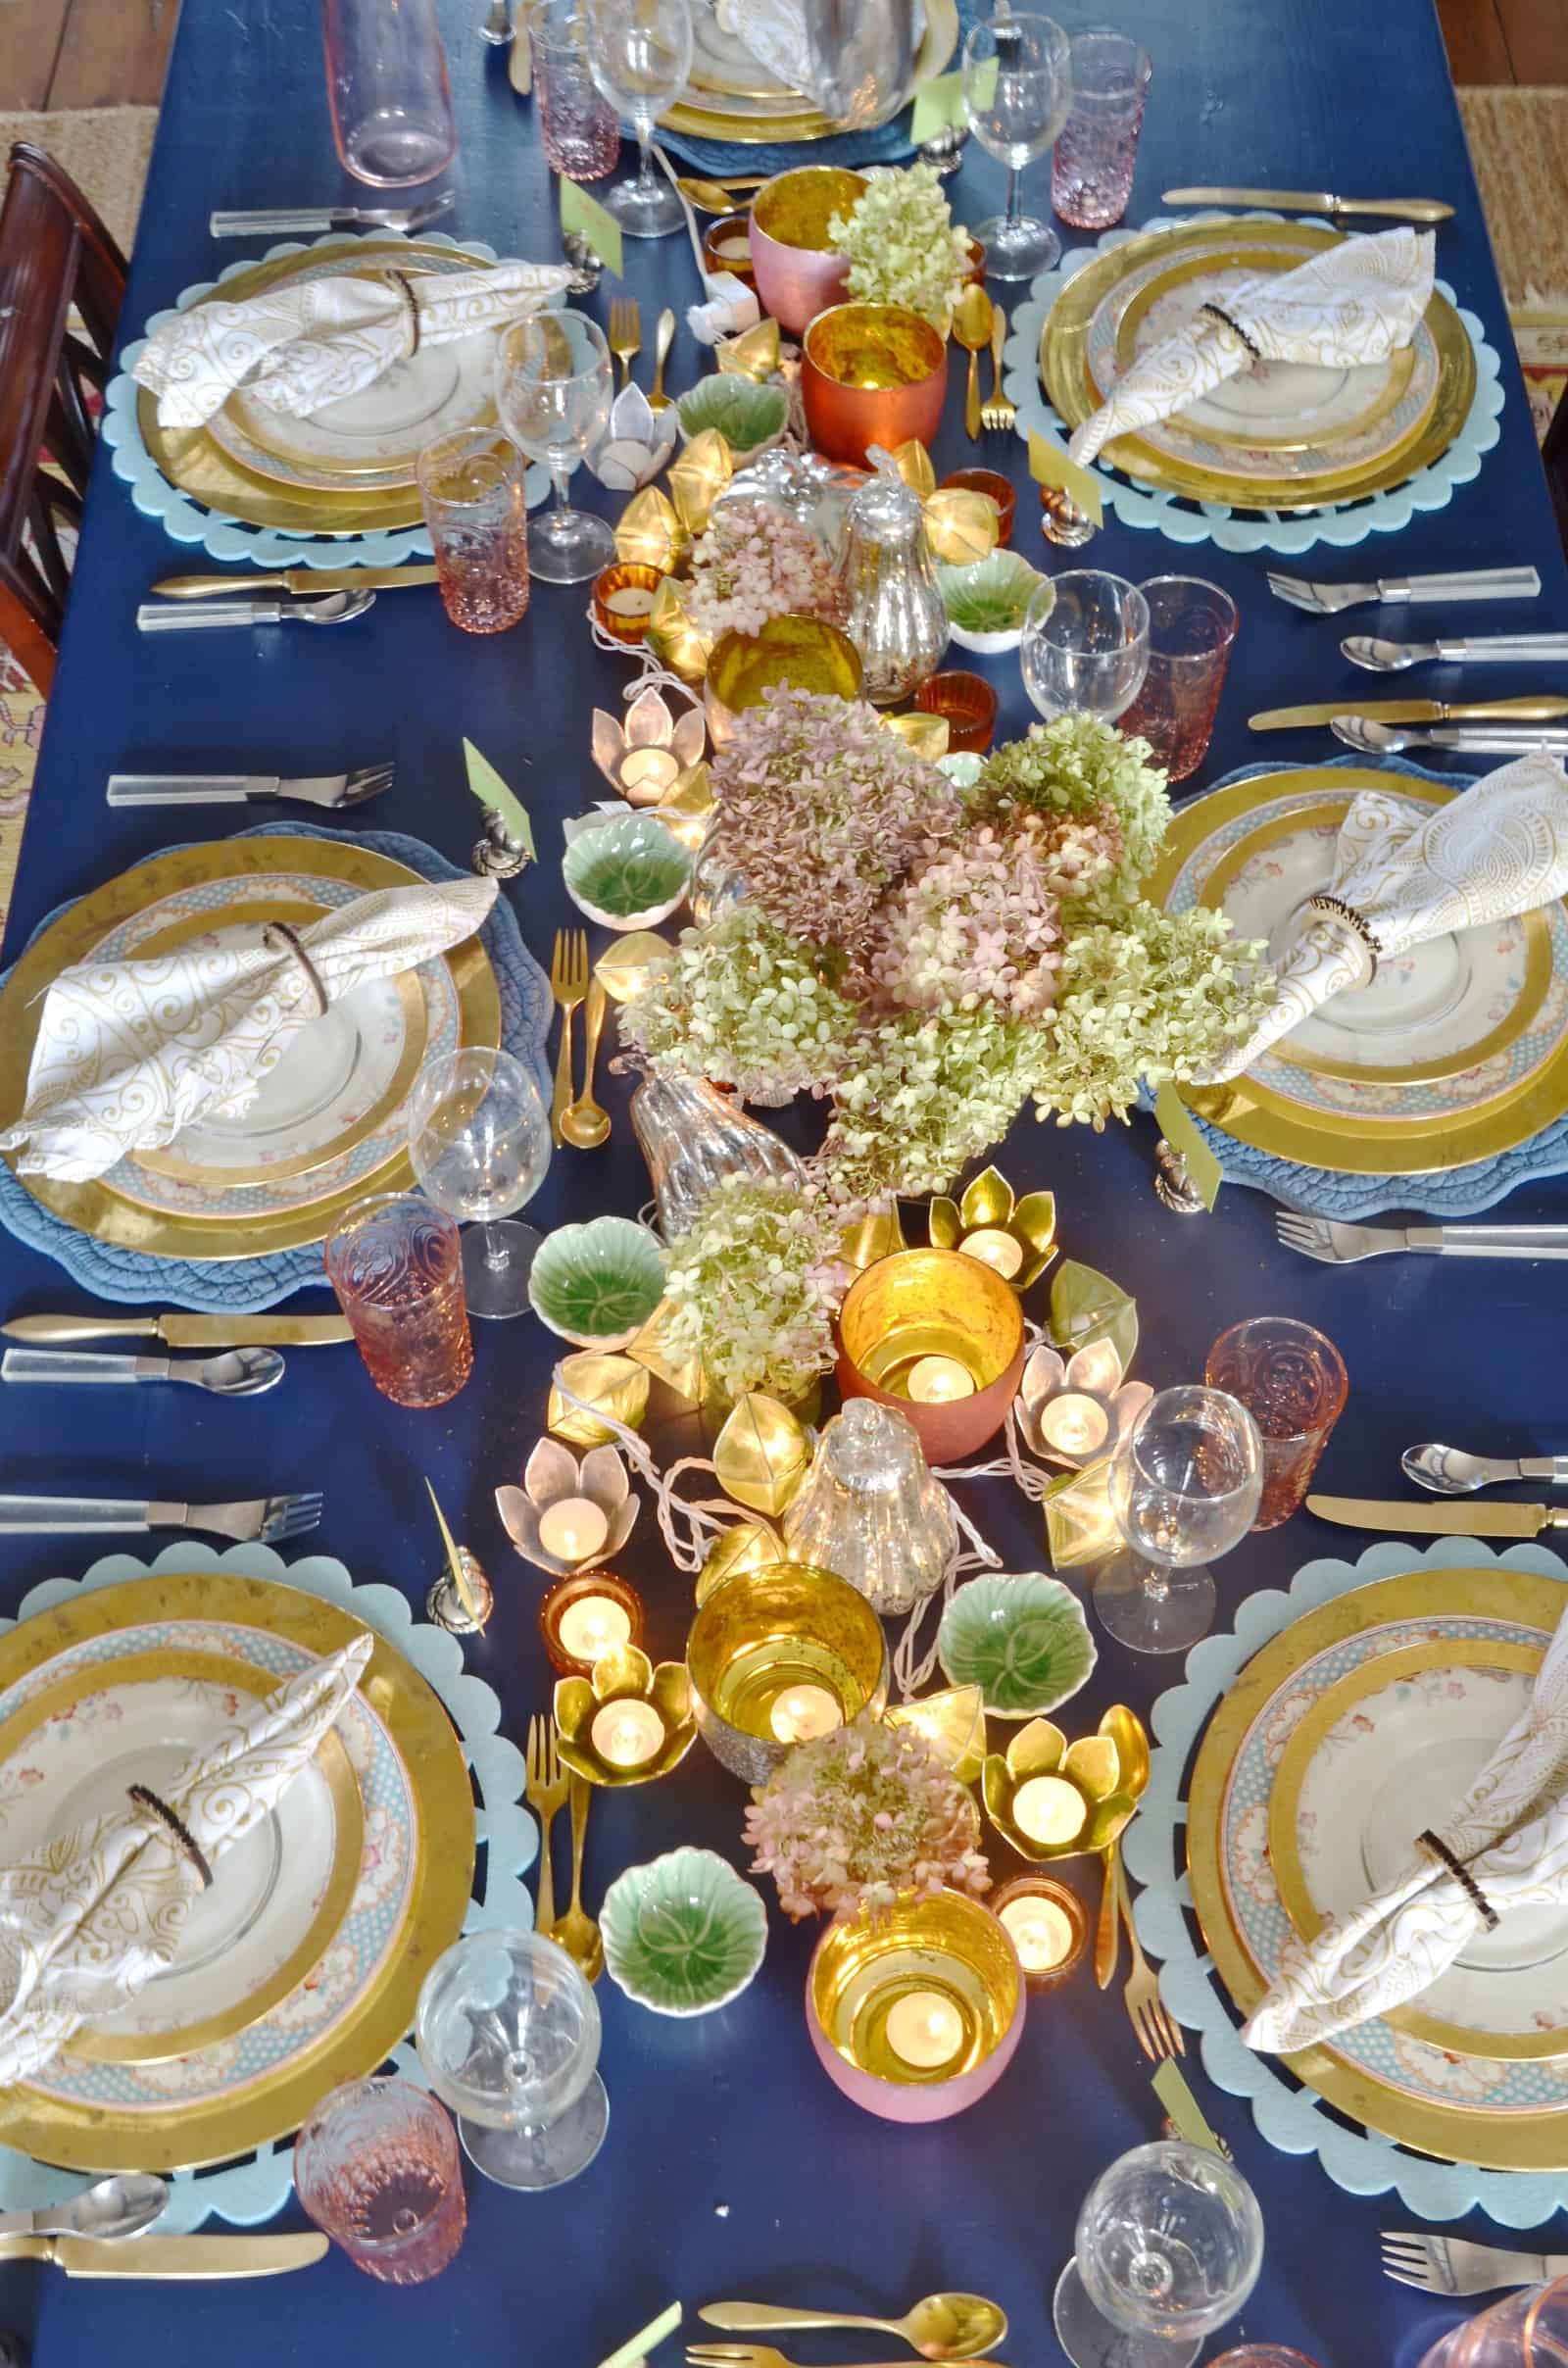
<point x="1076" y="1410"/>
<point x="1016" y="1238"/>
<point x="627" y="1721"/>
<point x="637" y="443"/>
<point x="646" y="757"/>
<point x="1052" y="1799"/>
<point x="553" y="1478"/>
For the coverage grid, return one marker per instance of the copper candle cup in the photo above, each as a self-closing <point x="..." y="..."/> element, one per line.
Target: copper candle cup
<point x="871" y="373"/>
<point x="581" y="1586"/>
<point x="728" y="247"/>
<point x="995" y="488"/>
<point x="795" y="270"/>
<point x="967" y="705"/>
<point x="624" y="597"/>
<point x="934" y="1303"/>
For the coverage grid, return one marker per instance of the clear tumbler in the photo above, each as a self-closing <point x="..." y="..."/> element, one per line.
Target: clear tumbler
<point x="387" y="87"/>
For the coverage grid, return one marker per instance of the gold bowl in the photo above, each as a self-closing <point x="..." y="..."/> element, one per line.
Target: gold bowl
<point x="798" y="653"/>
<point x="926" y="1972"/>
<point x="654" y="1698"/>
<point x="924" y="1314"/>
<point x="763" y="1642"/>
<point x="871" y="373"/>
<point x="795" y="268"/>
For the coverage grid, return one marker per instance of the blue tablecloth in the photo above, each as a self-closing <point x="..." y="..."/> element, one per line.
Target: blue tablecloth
<point x="731" y="2166"/>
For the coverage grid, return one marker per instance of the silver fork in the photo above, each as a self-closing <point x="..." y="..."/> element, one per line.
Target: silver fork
<point x="274" y="222"/>
<point x="334" y="791"/>
<point x="1345" y="1244"/>
<point x="1476" y="584"/>
<point x="1447" y="2265"/>
<point x="269" y="1519"/>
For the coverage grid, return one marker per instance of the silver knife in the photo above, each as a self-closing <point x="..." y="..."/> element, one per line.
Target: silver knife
<point x="168" y="2256"/>
<point x="249" y="789"/>
<point x="1410" y="710"/>
<point x="1449" y="1520"/>
<point x="299" y="580"/>
<point x="185" y="1331"/>
<point x="1315" y="201"/>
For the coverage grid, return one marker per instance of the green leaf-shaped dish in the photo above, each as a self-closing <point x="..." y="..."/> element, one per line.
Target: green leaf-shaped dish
<point x="627" y="873"/>
<point x="1024" y="1642"/>
<point x="748" y="416"/>
<point x="597" y="1284"/>
<point x="684" y="1934"/>
<point x="986" y="602"/>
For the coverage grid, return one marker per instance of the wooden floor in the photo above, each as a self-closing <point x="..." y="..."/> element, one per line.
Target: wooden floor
<point x="106" y="53"/>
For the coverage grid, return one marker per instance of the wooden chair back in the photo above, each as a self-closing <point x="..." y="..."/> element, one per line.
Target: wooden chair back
<point x="1555" y="454"/>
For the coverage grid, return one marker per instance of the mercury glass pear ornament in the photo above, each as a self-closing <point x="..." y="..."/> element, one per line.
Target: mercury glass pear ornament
<point x="889" y="602"/>
<point x="871" y="1512"/>
<point x="692" y="1136"/>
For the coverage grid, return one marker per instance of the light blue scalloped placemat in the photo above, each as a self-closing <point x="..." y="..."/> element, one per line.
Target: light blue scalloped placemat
<point x="259" y="2185"/>
<point x="1291" y="2118"/>
<point x="187" y="521"/>
<point x="243" y="1286"/>
<point x="1340" y="524"/>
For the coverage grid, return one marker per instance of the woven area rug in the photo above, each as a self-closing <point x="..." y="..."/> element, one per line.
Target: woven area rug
<point x="1519" y="146"/>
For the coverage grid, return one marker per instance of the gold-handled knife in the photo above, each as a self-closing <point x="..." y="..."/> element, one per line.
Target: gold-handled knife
<point x="1315" y="201"/>
<point x="168" y="2256"/>
<point x="185" y="1331"/>
<point x="295" y="579"/>
<point x="1410" y="710"/>
<point x="1439" y="1520"/>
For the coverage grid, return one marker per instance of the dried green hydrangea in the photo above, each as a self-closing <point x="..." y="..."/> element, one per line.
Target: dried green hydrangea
<point x="753" y="1287"/>
<point x="743" y="1005"/>
<point x="902" y="245"/>
<point x="1078" y="765"/>
<point x="926" y="1094"/>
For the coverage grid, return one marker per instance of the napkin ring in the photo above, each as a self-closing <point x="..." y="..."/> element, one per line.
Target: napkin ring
<point x="1217" y="311"/>
<point x="1439" y="1848"/>
<point x="1337" y="910"/>
<point x="277" y="936"/>
<point x="145" y="1799"/>
<point x="405" y="288"/>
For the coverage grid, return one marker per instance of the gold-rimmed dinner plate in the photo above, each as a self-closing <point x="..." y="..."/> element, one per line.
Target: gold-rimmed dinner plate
<point x="258" y="2078"/>
<point x="791" y="119"/>
<point x="198" y="1221"/>
<point x="1456" y="1051"/>
<point x="1397" y="443"/>
<point x="1500" y="2113"/>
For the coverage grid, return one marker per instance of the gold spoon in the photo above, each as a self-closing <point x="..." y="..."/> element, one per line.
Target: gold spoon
<point x="711" y="196"/>
<point x="576" y="1932"/>
<point x="1131" y="1739"/>
<point x="940" y="2327"/>
<point x="583" y="1125"/>
<point x="971" y="326"/>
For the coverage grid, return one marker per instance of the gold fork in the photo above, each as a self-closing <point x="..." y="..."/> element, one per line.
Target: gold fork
<point x="625" y="333"/>
<point x="1158" y="2032"/>
<point x="1001" y="412"/>
<point x="545" y="1791"/>
<point x="568" y="985"/>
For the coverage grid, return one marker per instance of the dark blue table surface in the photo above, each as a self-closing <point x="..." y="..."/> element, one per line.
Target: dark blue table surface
<point x="731" y="2166"/>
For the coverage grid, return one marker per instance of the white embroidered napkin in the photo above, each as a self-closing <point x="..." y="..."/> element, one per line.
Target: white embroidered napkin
<point x="1510" y="1837"/>
<point x="89" y="1922"/>
<point x="1354" y="303"/>
<point x="130" y="1053"/>
<point x="299" y="348"/>
<point x="1499" y="849"/>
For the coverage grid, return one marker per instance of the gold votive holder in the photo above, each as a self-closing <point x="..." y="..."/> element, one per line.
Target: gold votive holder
<point x="939" y="1336"/>
<point x="727" y="246"/>
<point x="1047" y="1925"/>
<point x="567" y="1620"/>
<point x="995" y="488"/>
<point x="795" y="268"/>
<point x="623" y="599"/>
<point x="1052" y="1799"/>
<point x="969" y="705"/>
<point x="777" y="1655"/>
<point x="914" y="2014"/>
<point x="871" y="373"/>
<point x="626" y="1722"/>
<point x="795" y="653"/>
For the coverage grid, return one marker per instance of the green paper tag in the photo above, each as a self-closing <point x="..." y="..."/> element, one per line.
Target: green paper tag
<point x="938" y="104"/>
<point x="587" y="217"/>
<point x="1175" y="1122"/>
<point x="1184" y="2112"/>
<point x="1049" y="465"/>
<point x="490" y="790"/>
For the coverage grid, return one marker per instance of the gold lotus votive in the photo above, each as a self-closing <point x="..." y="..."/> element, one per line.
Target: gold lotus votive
<point x="795" y="268"/>
<point x="871" y="373"/>
<point x="1017" y="1237"/>
<point x="1046" y="1923"/>
<point x="623" y="599"/>
<point x="1052" y="1799"/>
<point x="916" y="2014"/>
<point x="796" y="653"/>
<point x="939" y="1336"/>
<point x="777" y="1656"/>
<point x="627" y="1721"/>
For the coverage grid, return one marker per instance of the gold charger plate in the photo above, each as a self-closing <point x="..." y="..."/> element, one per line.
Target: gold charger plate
<point x="1342" y="1141"/>
<point x="98" y="1209"/>
<point x="938" y="43"/>
<point x="1069" y="383"/>
<point x="185" y="2135"/>
<point x="1527" y="2141"/>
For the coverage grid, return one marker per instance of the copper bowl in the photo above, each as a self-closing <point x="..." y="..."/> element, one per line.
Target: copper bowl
<point x="794" y="268"/>
<point x="801" y="653"/>
<point x="726" y="247"/>
<point x="995" y="488"/>
<point x="872" y="373"/>
<point x="967" y="704"/>
<point x="934" y="1303"/>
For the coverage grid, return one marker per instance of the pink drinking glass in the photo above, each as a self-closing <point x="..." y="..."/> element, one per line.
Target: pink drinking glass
<point x="396" y="1265"/>
<point x="387" y="88"/>
<point x="580" y="129"/>
<point x="472" y="489"/>
<point x="1263" y="2355"/>
<point x="1291" y="1381"/>
<point x="1525" y="2329"/>
<point x="377" y="2167"/>
<point x="1192" y="627"/>
<point x="1097" y="148"/>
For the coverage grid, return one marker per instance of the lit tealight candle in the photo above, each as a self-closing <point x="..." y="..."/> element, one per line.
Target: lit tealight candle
<point x="1048" y="1808"/>
<point x="630" y="599"/>
<point x="572" y="1529"/>
<point x="1074" y="1425"/>
<point x="591" y="1627"/>
<point x="1002" y="1251"/>
<point x="646" y="775"/>
<point x="1042" y="1931"/>
<point x="625" y="1734"/>
<point x="924" y="2029"/>
<point x="805" y="1712"/>
<point x="937" y="1380"/>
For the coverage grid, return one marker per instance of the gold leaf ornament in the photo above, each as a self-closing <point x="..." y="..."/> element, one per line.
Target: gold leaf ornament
<point x="762" y="1454"/>
<point x="961" y="526"/>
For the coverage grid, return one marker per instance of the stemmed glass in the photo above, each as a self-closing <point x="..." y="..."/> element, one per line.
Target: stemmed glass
<point x="1185" y="1484"/>
<point x="1169" y="2245"/>
<point x="642" y="55"/>
<point x="479" y="1140"/>
<point x="507" y="2033"/>
<point x="1085" y="644"/>
<point x="1018" y="89"/>
<point x="554" y="383"/>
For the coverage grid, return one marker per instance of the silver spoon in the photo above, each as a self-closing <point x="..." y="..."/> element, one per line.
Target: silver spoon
<point x="1447" y="1471"/>
<point x="1380" y="657"/>
<point x="1375" y="739"/>
<point x="235" y="1373"/>
<point x="120" y="2206"/>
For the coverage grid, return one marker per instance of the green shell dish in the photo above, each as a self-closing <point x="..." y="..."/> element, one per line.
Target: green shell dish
<point x="597" y="1282"/>
<point x="684" y="1935"/>
<point x="1024" y="1642"/>
<point x="990" y="597"/>
<point x="745" y="415"/>
<point x="632" y="866"/>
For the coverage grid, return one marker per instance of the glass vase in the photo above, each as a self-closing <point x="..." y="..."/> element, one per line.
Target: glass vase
<point x="692" y="1136"/>
<point x="870" y="1510"/>
<point x="891" y="604"/>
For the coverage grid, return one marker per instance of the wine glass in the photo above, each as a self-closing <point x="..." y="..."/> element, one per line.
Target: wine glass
<point x="1185" y="1484"/>
<point x="1018" y="89"/>
<point x="1169" y="2245"/>
<point x="479" y="1140"/>
<point x="1085" y="644"/>
<point x="554" y="383"/>
<point x="507" y="2033"/>
<point x="642" y="55"/>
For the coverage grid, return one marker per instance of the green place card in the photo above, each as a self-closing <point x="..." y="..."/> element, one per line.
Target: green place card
<point x="1176" y="1123"/>
<point x="490" y="790"/>
<point x="1049" y="465"/>
<point x="938" y="107"/>
<point x="587" y="217"/>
